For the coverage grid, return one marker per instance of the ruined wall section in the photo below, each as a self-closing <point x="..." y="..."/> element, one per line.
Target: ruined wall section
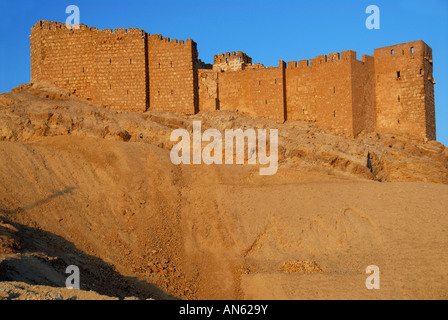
<point x="320" y="91"/>
<point x="231" y="61"/>
<point x="257" y="92"/>
<point x="120" y="70"/>
<point x="363" y="95"/>
<point x="64" y="57"/>
<point x="208" y="90"/>
<point x="173" y="75"/>
<point x="404" y="89"/>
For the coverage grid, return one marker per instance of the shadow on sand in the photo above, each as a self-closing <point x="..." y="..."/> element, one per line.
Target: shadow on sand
<point x="44" y="257"/>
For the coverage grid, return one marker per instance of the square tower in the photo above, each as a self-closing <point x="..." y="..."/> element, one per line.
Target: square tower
<point x="405" y="89"/>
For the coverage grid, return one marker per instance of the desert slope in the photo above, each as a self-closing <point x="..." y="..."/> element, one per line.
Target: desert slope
<point x="77" y="186"/>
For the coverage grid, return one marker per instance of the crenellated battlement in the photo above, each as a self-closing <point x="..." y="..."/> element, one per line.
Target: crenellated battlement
<point x="232" y="56"/>
<point x="324" y="60"/>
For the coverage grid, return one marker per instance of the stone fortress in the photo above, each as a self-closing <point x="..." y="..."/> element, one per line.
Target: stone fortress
<point x="131" y="70"/>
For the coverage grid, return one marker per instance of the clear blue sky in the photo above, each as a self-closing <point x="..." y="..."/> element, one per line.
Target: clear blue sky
<point x="266" y="30"/>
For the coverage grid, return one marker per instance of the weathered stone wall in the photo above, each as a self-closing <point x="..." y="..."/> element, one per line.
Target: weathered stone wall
<point x="120" y="64"/>
<point x="173" y="75"/>
<point x="320" y="91"/>
<point x="257" y="92"/>
<point x="102" y="66"/>
<point x="64" y="57"/>
<point x="208" y="90"/>
<point x="363" y="95"/>
<point x="120" y="69"/>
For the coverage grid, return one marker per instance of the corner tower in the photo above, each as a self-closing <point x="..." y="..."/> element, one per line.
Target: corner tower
<point x="405" y="89"/>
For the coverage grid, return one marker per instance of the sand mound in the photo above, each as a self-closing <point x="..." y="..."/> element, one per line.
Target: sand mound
<point x="77" y="186"/>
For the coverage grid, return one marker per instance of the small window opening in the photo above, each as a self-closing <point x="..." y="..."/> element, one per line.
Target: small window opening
<point x="398" y="74"/>
<point x="159" y="65"/>
<point x="240" y="59"/>
<point x="171" y="63"/>
<point x="399" y="99"/>
<point x="412" y="50"/>
<point x="127" y="91"/>
<point x="83" y="70"/>
<point x="266" y="102"/>
<point x="110" y="61"/>
<point x="172" y="91"/>
<point x="392" y="51"/>
<point x="398" y="121"/>
<point x="130" y="61"/>
<point x="334" y="114"/>
<point x="227" y="60"/>
<point x="158" y="93"/>
<point x="334" y="89"/>
<point x="259" y="83"/>
<point x="421" y="71"/>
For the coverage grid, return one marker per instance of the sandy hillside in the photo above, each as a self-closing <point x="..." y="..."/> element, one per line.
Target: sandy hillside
<point x="77" y="186"/>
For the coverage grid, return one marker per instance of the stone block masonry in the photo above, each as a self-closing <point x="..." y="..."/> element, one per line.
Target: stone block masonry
<point x="130" y="70"/>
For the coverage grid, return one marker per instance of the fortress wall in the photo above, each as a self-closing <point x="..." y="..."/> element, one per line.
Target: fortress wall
<point x="208" y="89"/>
<point x="257" y="92"/>
<point x="404" y="89"/>
<point x="120" y="70"/>
<point x="173" y="75"/>
<point x="130" y="70"/>
<point x="64" y="57"/>
<point x="363" y="88"/>
<point x="320" y="91"/>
